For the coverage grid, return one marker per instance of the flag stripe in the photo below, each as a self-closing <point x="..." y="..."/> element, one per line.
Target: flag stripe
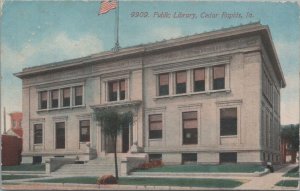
<point x="107" y="5"/>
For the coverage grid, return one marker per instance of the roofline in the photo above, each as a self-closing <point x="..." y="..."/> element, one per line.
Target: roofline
<point x="140" y="50"/>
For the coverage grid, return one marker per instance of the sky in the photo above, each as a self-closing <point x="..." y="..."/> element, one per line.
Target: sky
<point x="39" y="32"/>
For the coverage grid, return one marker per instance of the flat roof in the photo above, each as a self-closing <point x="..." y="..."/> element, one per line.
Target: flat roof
<point x="139" y="50"/>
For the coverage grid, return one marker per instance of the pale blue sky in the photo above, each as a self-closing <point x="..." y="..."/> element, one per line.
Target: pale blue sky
<point x="38" y="32"/>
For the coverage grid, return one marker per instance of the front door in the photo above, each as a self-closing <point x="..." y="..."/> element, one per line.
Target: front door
<point x="60" y="135"/>
<point x="125" y="140"/>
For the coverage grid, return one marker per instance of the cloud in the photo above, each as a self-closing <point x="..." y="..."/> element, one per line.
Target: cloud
<point x="52" y="49"/>
<point x="166" y="33"/>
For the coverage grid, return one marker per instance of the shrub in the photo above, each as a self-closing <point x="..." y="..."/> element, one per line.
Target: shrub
<point x="107" y="179"/>
<point x="151" y="164"/>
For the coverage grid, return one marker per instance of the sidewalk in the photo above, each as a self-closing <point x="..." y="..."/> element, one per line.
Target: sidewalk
<point x="268" y="181"/>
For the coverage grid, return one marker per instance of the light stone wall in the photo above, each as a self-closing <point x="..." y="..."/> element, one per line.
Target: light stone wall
<point x="243" y="61"/>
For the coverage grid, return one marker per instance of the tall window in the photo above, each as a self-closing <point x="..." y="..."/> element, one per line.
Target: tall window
<point x="66" y="97"/>
<point x="163" y="84"/>
<point x="181" y="82"/>
<point x="199" y="79"/>
<point x="117" y="90"/>
<point x="155" y="126"/>
<point x="84" y="127"/>
<point x="78" y="95"/>
<point x="122" y="87"/>
<point x="54" y="99"/>
<point x="228" y="121"/>
<point x="190" y="127"/>
<point x="60" y="135"/>
<point x="219" y="77"/>
<point x="38" y="134"/>
<point x="43" y="99"/>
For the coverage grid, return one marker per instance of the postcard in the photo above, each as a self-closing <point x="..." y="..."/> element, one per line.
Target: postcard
<point x="145" y="95"/>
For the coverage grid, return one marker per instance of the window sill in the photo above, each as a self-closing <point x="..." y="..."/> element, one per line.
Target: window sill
<point x="157" y="139"/>
<point x="118" y="101"/>
<point x="193" y="93"/>
<point x="37" y="144"/>
<point x="228" y="136"/>
<point x="60" y="108"/>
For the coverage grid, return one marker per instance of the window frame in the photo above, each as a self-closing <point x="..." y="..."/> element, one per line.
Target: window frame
<point x="213" y="78"/>
<point x="190" y="130"/>
<point x="35" y="142"/>
<point x="178" y="85"/>
<point x="149" y="126"/>
<point x="80" y="131"/>
<point x="194" y="81"/>
<point x="166" y="87"/>
<point x="118" y="92"/>
<point x="236" y="122"/>
<point x="41" y="105"/>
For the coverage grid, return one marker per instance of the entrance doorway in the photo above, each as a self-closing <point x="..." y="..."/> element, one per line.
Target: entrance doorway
<point x="60" y="135"/>
<point x="125" y="140"/>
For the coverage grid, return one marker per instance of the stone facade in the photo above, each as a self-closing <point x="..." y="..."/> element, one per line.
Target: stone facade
<point x="183" y="94"/>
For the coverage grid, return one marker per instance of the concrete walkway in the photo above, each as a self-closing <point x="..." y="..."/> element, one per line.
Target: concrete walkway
<point x="268" y="181"/>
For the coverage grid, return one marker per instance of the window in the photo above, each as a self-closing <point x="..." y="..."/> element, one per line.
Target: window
<point x="122" y="88"/>
<point x="54" y="99"/>
<point x="155" y="157"/>
<point x="180" y="82"/>
<point x="117" y="90"/>
<point x="43" y="99"/>
<point x="38" y="134"/>
<point x="228" y="121"/>
<point x="230" y="157"/>
<point x="36" y="159"/>
<point x="66" y="97"/>
<point x="199" y="80"/>
<point x="163" y="84"/>
<point x="219" y="77"/>
<point x="155" y="126"/>
<point x="60" y="135"/>
<point x="190" y="127"/>
<point x="113" y="91"/>
<point x="84" y="127"/>
<point x="78" y="95"/>
<point x="188" y="158"/>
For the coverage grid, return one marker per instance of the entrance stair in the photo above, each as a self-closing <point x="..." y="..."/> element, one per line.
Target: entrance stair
<point x="97" y="167"/>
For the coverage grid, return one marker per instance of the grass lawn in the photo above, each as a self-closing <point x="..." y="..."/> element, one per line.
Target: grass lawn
<point x="79" y="180"/>
<point x="217" y="183"/>
<point x="14" y="177"/>
<point x="287" y="183"/>
<point x="25" y="167"/>
<point x="242" y="168"/>
<point x="293" y="172"/>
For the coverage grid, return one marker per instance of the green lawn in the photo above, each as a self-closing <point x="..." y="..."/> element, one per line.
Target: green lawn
<point x="217" y="183"/>
<point x="25" y="167"/>
<point x="14" y="177"/>
<point x="189" y="182"/>
<point x="79" y="180"/>
<point x="287" y="183"/>
<point x="242" y="168"/>
<point x="293" y="172"/>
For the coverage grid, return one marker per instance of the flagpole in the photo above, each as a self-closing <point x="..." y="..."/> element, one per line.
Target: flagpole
<point x="117" y="45"/>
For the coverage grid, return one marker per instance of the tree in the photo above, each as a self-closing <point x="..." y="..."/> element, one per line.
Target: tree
<point x="290" y="136"/>
<point x="291" y="133"/>
<point x="112" y="124"/>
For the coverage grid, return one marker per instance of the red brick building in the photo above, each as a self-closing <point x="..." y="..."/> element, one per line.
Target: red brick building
<point x="12" y="141"/>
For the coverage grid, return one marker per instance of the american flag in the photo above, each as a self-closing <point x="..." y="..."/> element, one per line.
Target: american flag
<point x="107" y="5"/>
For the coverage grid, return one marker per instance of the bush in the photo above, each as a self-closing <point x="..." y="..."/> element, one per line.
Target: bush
<point x="151" y="164"/>
<point x="107" y="179"/>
